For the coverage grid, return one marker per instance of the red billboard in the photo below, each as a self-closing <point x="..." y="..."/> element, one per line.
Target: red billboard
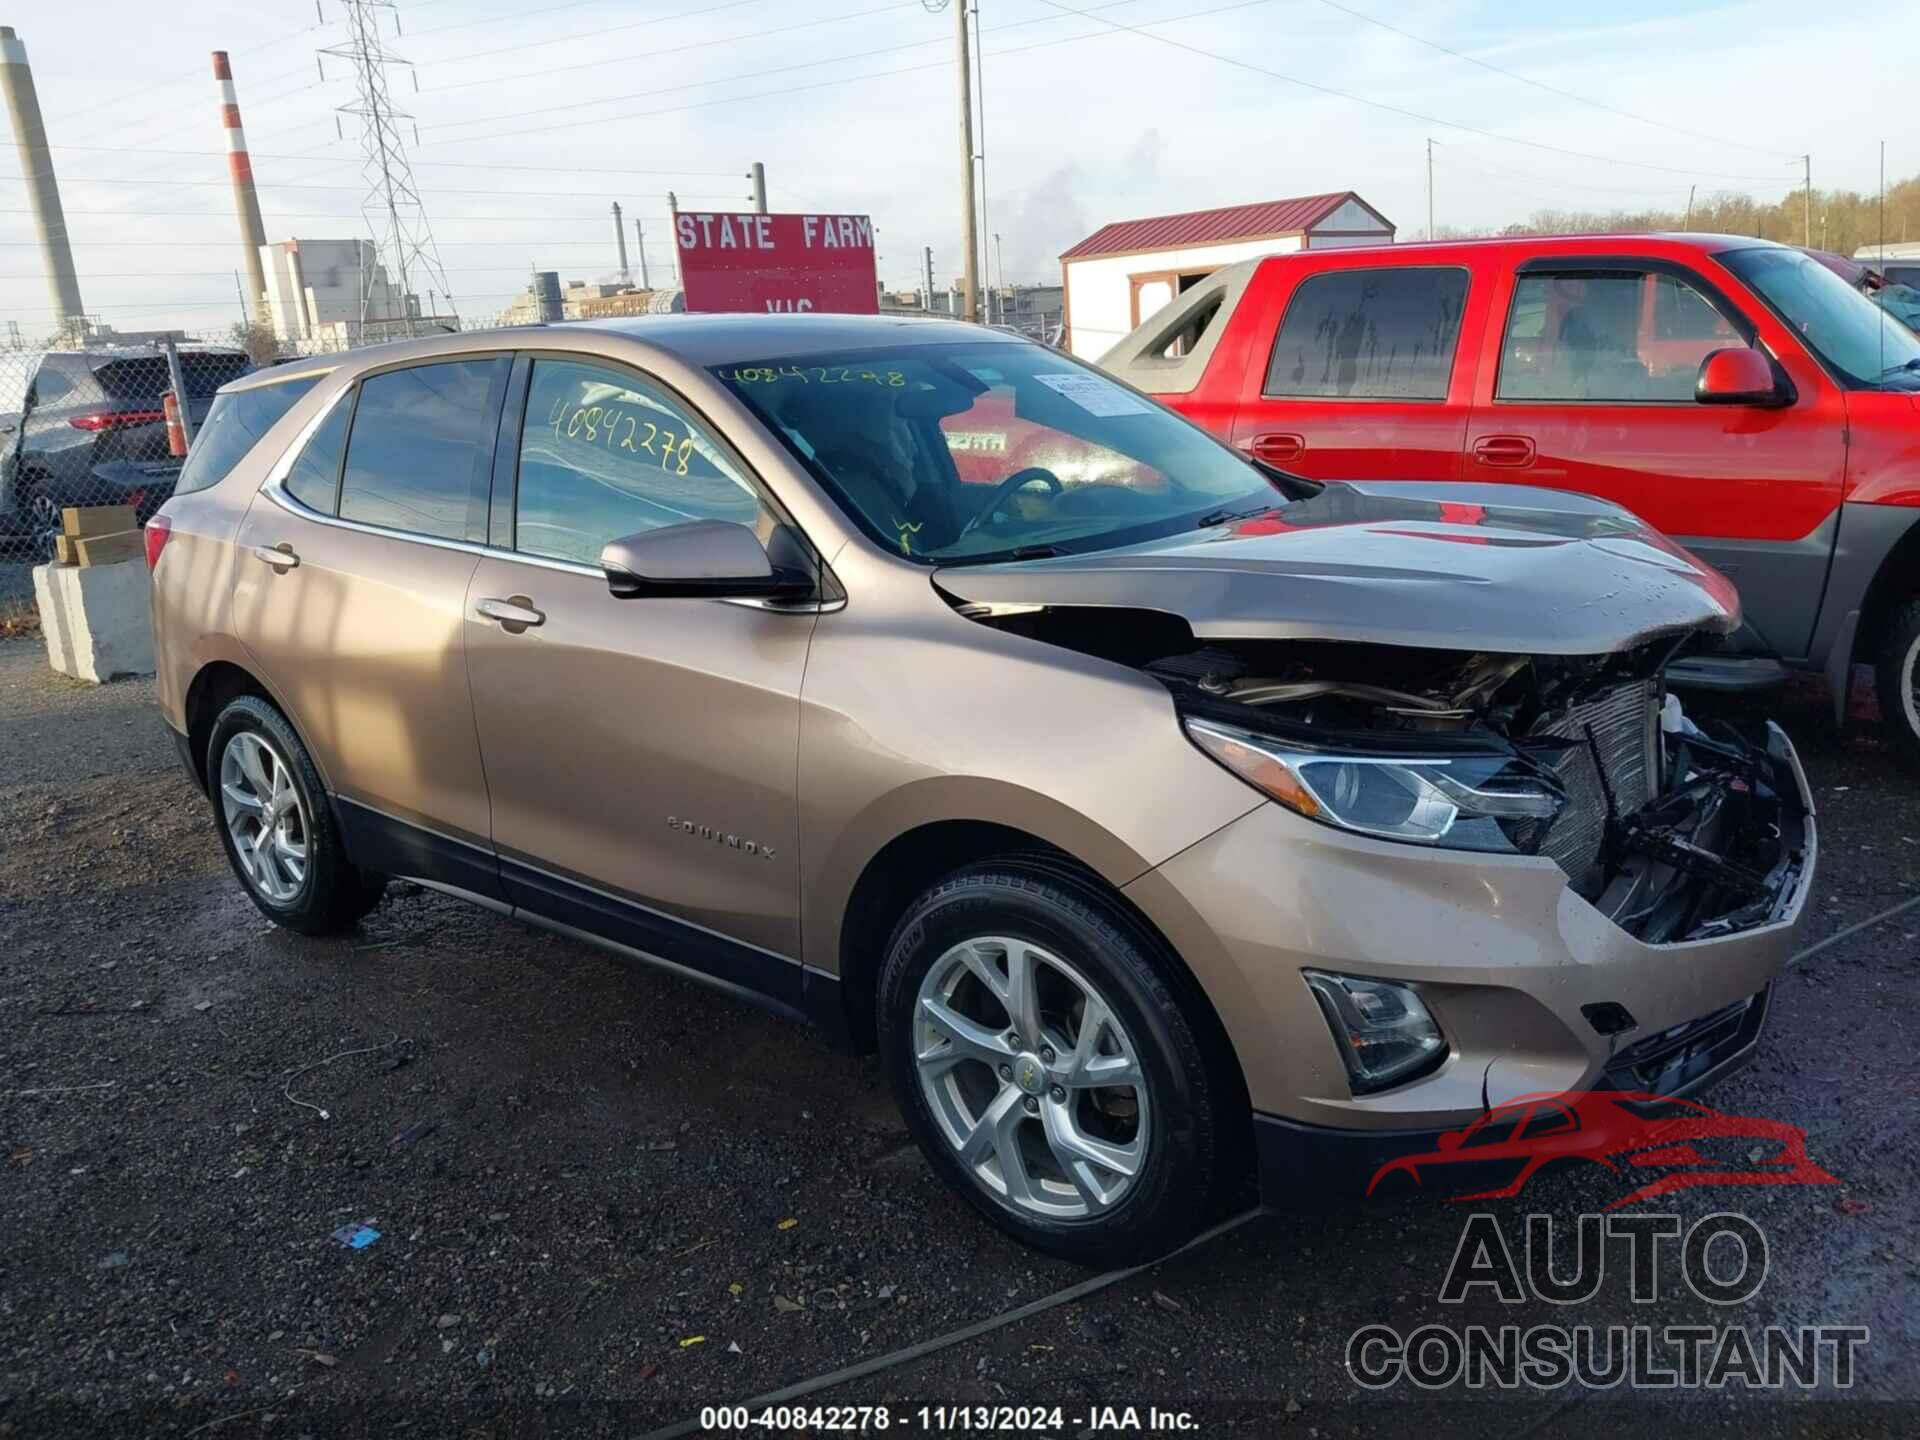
<point x="777" y="263"/>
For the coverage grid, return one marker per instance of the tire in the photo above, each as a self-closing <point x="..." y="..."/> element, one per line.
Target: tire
<point x="1177" y="1122"/>
<point x="1895" y="679"/>
<point x="323" y="892"/>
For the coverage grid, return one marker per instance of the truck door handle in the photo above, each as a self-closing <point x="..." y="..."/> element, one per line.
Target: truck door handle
<point x="1276" y="448"/>
<point x="1512" y="451"/>
<point x="280" y="557"/>
<point x="513" y="615"/>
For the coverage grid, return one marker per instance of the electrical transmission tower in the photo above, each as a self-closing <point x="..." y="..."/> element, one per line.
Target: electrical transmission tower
<point x="394" y="213"/>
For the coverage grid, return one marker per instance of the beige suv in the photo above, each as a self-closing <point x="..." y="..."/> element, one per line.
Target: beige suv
<point x="1162" y="819"/>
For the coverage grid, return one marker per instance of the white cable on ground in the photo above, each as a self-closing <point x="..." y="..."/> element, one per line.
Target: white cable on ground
<point x="967" y="1332"/>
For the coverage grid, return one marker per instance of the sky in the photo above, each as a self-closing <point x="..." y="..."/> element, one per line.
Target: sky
<point x="534" y="117"/>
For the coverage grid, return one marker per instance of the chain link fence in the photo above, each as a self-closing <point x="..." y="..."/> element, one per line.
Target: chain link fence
<point x="87" y="424"/>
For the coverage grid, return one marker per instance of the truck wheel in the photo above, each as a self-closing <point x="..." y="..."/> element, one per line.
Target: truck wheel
<point x="1897" y="679"/>
<point x="1051" y="1070"/>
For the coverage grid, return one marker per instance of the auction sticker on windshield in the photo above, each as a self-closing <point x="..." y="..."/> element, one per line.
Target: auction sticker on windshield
<point x="1095" y="395"/>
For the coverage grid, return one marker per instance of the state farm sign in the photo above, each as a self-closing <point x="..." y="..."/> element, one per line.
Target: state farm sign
<point x="777" y="262"/>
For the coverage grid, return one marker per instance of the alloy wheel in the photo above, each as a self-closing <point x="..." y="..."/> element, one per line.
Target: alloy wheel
<point x="264" y="817"/>
<point x="1910" y="686"/>
<point x="1031" y="1077"/>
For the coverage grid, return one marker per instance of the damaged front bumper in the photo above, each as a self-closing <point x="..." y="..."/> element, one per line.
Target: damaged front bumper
<point x="1536" y="988"/>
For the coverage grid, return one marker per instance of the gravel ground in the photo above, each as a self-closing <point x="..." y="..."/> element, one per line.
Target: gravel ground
<point x="606" y="1197"/>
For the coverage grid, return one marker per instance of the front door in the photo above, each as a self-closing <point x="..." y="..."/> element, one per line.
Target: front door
<point x="350" y="580"/>
<point x="1360" y="382"/>
<point x="1590" y="387"/>
<point x="641" y="754"/>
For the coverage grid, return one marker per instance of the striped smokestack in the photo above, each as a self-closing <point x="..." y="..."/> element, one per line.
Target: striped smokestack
<point x="245" y="201"/>
<point x="43" y="191"/>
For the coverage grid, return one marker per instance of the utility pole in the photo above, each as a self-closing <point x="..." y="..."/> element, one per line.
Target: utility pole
<point x="1430" y="234"/>
<point x="392" y="190"/>
<point x="969" y="230"/>
<point x="1807" y="201"/>
<point x="620" y="240"/>
<point x="673" y="230"/>
<point x="980" y="93"/>
<point x="246" y="321"/>
<point x="758" y="175"/>
<point x="1687" y="224"/>
<point x="926" y="286"/>
<point x="640" y="243"/>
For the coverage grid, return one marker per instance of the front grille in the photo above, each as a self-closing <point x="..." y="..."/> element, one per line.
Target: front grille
<point x="1623" y="723"/>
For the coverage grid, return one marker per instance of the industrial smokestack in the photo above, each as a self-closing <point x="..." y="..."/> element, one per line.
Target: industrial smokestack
<point x="245" y="200"/>
<point x="43" y="190"/>
<point x="620" y="236"/>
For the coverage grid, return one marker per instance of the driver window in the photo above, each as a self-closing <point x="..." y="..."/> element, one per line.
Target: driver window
<point x="603" y="454"/>
<point x="1621" y="336"/>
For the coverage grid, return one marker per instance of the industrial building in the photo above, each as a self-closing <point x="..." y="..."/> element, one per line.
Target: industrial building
<point x="1123" y="272"/>
<point x="332" y="294"/>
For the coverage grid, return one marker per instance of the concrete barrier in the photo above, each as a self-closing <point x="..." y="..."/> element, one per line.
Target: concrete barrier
<point x="96" y="618"/>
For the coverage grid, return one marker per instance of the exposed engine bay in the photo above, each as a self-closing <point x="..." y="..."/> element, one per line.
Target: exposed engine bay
<point x="1673" y="831"/>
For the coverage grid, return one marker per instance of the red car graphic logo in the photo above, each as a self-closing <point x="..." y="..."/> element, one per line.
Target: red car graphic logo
<point x="1685" y="1145"/>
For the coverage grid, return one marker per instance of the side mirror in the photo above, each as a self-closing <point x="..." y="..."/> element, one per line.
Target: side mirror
<point x="1738" y="377"/>
<point x="1448" y="1140"/>
<point x="703" y="559"/>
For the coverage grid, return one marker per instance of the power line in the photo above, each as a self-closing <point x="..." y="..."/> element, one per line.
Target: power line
<point x="437" y="164"/>
<point x="750" y="74"/>
<point x="577" y="36"/>
<point x="1541" y="84"/>
<point x="293" y="185"/>
<point x="1383" y="105"/>
<point x="650" y="54"/>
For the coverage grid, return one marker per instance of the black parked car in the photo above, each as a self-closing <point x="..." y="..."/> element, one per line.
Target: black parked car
<point x="85" y="427"/>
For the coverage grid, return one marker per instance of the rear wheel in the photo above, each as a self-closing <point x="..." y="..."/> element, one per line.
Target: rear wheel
<point x="1050" y="1067"/>
<point x="276" y="826"/>
<point x="1897" y="679"/>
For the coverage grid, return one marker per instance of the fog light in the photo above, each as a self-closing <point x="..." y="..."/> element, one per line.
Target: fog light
<point x="1382" y="1030"/>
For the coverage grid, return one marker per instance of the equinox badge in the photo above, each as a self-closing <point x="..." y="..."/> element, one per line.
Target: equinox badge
<point x="720" y="837"/>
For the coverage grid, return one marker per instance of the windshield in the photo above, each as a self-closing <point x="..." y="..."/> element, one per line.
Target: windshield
<point x="965" y="453"/>
<point x="1864" y="347"/>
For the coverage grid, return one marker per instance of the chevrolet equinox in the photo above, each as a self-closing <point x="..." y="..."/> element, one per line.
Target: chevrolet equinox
<point x="1162" y="819"/>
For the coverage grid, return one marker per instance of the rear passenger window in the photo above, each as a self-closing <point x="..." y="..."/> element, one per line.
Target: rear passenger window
<point x="603" y="454"/>
<point x="234" y="426"/>
<point x="421" y="447"/>
<point x="1621" y="336"/>
<point x="314" y="478"/>
<point x="1370" y="335"/>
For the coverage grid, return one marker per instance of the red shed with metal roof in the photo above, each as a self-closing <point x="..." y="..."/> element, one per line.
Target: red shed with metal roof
<point x="1123" y="272"/>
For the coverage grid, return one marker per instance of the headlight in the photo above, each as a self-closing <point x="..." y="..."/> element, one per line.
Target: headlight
<point x="1464" y="802"/>
<point x="1384" y="1033"/>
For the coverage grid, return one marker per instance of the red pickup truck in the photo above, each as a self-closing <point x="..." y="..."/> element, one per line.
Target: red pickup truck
<point x="1736" y="394"/>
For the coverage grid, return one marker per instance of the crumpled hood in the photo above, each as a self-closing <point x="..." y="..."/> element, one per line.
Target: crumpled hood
<point x="1503" y="568"/>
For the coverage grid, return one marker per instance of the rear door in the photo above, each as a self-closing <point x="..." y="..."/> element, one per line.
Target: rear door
<point x="641" y="754"/>
<point x="350" y="583"/>
<point x="1362" y="375"/>
<point x="1587" y="384"/>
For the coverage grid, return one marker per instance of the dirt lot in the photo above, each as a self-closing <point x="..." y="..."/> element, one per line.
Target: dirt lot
<point x="606" y="1197"/>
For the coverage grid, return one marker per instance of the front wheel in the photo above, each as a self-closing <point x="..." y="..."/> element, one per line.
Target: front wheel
<point x="276" y="826"/>
<point x="1052" y="1068"/>
<point x="1897" y="680"/>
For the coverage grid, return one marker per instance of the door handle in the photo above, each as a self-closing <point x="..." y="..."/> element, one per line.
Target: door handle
<point x="1276" y="448"/>
<point x="514" y="615"/>
<point x="1512" y="451"/>
<point x="280" y="557"/>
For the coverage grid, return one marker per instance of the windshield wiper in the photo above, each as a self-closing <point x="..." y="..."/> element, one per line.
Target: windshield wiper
<point x="1913" y="364"/>
<point x="1222" y="517"/>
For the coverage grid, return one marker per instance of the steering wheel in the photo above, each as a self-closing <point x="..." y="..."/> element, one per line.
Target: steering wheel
<point x="1017" y="480"/>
